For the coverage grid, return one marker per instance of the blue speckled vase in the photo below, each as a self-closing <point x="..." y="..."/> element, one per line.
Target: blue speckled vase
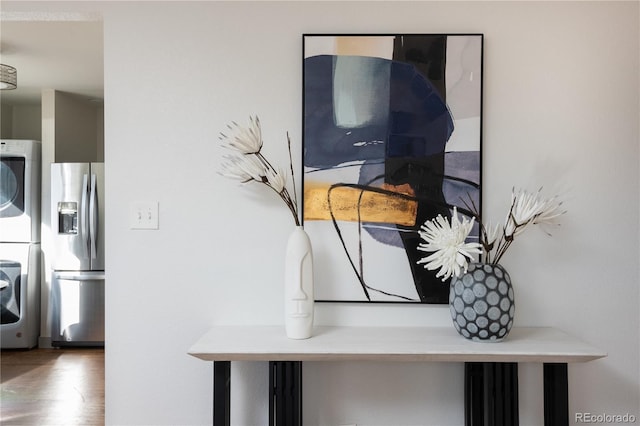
<point x="482" y="303"/>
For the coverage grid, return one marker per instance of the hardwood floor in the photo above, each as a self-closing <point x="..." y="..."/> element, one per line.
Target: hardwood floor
<point x="51" y="387"/>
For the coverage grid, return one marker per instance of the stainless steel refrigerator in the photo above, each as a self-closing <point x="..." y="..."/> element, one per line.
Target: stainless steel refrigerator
<point x="78" y="276"/>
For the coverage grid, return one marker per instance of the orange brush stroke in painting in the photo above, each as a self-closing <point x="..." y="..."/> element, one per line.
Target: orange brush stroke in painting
<point x="380" y="47"/>
<point x="372" y="206"/>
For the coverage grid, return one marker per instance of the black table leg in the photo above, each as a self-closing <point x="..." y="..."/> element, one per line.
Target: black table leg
<point x="285" y="393"/>
<point x="491" y="394"/>
<point x="556" y="395"/>
<point x="221" y="393"/>
<point x="473" y="387"/>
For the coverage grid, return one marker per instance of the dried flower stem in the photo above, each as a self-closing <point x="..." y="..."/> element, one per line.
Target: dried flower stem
<point x="284" y="194"/>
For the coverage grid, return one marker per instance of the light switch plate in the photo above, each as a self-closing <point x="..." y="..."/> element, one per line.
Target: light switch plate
<point x="143" y="215"/>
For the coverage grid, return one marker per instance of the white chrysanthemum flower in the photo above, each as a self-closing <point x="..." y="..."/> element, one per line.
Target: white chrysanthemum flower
<point x="246" y="140"/>
<point x="450" y="253"/>
<point x="244" y="167"/>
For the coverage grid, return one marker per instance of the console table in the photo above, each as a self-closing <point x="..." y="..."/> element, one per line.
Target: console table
<point x="491" y="375"/>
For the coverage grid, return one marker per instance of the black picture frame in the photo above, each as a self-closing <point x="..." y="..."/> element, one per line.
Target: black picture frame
<point x="392" y="137"/>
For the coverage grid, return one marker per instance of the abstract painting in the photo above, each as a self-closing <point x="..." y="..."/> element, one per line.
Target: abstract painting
<point x="392" y="136"/>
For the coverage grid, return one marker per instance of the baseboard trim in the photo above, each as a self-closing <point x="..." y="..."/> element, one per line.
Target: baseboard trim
<point x="44" y="342"/>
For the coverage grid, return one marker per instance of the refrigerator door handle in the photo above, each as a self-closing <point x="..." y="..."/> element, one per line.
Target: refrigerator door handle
<point x="70" y="276"/>
<point x="83" y="217"/>
<point x="93" y="218"/>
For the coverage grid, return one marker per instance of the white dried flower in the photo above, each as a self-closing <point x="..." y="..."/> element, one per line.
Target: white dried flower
<point x="247" y="163"/>
<point x="530" y="208"/>
<point x="246" y="140"/>
<point x="553" y="208"/>
<point x="276" y="179"/>
<point x="492" y="233"/>
<point x="243" y="167"/>
<point x="527" y="208"/>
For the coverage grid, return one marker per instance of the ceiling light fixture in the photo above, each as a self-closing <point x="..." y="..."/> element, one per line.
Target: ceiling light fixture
<point x="8" y="77"/>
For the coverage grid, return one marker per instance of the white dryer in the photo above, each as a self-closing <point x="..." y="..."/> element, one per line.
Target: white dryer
<point x="20" y="181"/>
<point x="19" y="295"/>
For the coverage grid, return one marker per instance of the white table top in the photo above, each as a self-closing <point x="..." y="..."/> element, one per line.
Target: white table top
<point x="400" y="344"/>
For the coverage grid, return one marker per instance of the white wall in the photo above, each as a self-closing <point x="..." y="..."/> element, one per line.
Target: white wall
<point x="27" y="122"/>
<point x="561" y="110"/>
<point x="20" y="122"/>
<point x="76" y="123"/>
<point x="6" y="121"/>
<point x="48" y="105"/>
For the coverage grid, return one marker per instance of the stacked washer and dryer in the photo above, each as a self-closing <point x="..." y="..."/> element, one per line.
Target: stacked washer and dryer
<point x="20" y="254"/>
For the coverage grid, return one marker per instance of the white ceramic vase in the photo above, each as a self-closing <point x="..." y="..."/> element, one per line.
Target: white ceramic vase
<point x="298" y="292"/>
